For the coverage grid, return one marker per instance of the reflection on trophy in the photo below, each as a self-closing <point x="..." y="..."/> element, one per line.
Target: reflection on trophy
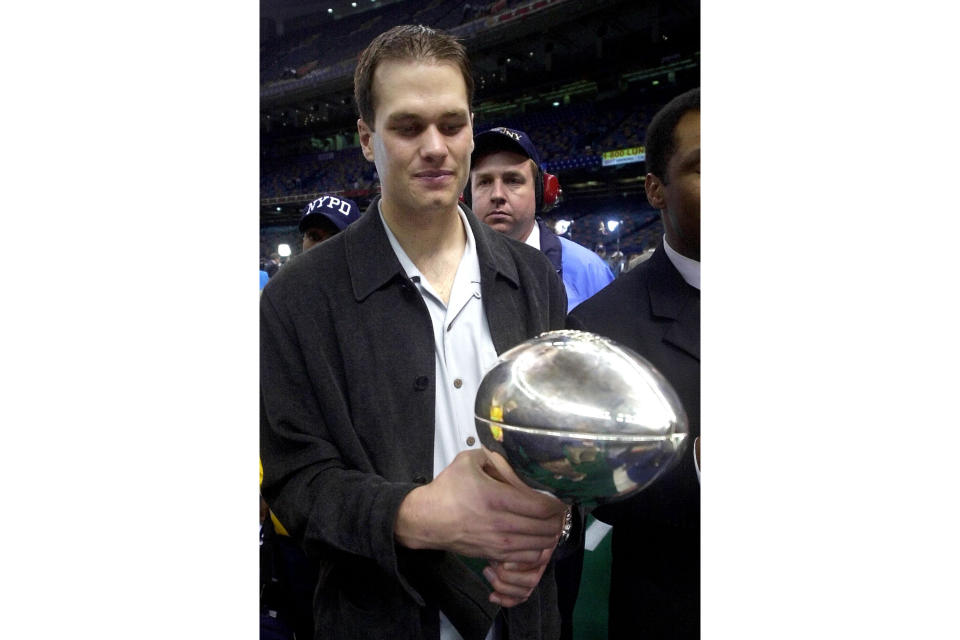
<point x="581" y="416"/>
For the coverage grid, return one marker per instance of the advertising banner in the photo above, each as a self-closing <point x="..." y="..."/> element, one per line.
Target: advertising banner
<point x="624" y="156"/>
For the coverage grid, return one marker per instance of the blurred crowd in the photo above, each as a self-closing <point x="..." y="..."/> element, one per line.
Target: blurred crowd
<point x="623" y="248"/>
<point x="299" y="52"/>
<point x="573" y="136"/>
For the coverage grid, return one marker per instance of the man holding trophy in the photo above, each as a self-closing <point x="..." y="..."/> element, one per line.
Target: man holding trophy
<point x="372" y="347"/>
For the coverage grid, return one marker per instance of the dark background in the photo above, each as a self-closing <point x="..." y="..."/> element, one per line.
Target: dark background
<point x="580" y="77"/>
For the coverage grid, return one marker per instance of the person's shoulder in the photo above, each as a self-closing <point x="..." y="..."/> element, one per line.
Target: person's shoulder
<point x="580" y="252"/>
<point x="576" y="253"/>
<point x="521" y="252"/>
<point x="311" y="269"/>
<point x="613" y="296"/>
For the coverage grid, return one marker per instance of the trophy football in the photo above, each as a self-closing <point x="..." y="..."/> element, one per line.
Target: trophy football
<point x="581" y="416"/>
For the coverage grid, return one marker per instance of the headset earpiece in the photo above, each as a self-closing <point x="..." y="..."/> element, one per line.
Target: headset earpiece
<point x="550" y="191"/>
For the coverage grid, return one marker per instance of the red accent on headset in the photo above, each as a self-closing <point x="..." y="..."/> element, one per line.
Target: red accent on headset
<point x="551" y="189"/>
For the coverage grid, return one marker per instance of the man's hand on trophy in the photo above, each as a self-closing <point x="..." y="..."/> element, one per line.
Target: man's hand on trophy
<point x="478" y="507"/>
<point x="513" y="582"/>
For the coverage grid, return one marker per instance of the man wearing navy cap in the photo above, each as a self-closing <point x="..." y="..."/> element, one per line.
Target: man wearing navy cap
<point x="508" y="189"/>
<point x="288" y="577"/>
<point x="326" y="217"/>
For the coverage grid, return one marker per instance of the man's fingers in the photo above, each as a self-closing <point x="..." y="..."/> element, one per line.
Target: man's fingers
<point x="541" y="561"/>
<point x="527" y="531"/>
<point x="513" y="582"/>
<point x="518" y="587"/>
<point x="514" y="576"/>
<point x="528" y="557"/>
<point x="518" y="497"/>
<point x="497" y="467"/>
<point x="500" y="519"/>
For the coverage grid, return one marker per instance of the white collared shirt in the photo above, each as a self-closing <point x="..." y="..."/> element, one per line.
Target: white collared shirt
<point x="688" y="268"/>
<point x="464" y="352"/>
<point x="533" y="238"/>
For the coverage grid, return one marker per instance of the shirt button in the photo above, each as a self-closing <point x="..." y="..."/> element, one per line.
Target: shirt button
<point x="471" y="441"/>
<point x="458" y="383"/>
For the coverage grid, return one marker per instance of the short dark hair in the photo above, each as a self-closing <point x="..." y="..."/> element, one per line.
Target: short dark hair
<point x="406" y="42"/>
<point x="660" y="142"/>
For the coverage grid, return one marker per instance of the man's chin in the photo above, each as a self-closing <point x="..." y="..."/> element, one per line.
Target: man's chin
<point x="501" y="227"/>
<point x="440" y="202"/>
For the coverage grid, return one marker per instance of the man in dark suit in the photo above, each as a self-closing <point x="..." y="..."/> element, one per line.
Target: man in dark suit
<point x="655" y="310"/>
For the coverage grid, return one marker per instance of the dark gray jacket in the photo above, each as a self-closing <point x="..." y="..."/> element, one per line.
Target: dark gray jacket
<point x="347" y="427"/>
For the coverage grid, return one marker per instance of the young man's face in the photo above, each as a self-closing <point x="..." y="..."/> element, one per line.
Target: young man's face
<point x="422" y="136"/>
<point x="503" y="194"/>
<point x="679" y="198"/>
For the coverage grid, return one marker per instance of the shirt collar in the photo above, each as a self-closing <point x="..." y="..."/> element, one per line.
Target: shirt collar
<point x="688" y="268"/>
<point x="534" y="238"/>
<point x="469" y="254"/>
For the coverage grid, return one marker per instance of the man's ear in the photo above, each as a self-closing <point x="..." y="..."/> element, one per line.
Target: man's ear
<point x="654" y="188"/>
<point x="472" y="134"/>
<point x="366" y="139"/>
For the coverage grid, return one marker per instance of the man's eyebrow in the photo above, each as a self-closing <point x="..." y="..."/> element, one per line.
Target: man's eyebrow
<point x="396" y="117"/>
<point x="508" y="173"/>
<point x="407" y="115"/>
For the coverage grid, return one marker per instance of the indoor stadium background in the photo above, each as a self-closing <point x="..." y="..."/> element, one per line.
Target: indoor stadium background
<point x="581" y="77"/>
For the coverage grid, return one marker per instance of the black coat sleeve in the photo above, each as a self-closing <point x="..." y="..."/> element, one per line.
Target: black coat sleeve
<point x="304" y="423"/>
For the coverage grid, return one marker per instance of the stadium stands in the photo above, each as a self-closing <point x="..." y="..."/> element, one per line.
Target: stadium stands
<point x="569" y="137"/>
<point x="303" y="52"/>
<point x="303" y="153"/>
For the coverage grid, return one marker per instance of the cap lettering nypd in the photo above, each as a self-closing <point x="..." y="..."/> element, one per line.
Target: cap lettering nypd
<point x="340" y="211"/>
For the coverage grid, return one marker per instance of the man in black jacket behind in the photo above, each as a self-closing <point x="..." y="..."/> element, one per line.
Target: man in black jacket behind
<point x="655" y="310"/>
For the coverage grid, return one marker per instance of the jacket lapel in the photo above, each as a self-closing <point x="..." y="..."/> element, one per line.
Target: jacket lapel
<point x="370" y="258"/>
<point x="498" y="277"/>
<point x="366" y="248"/>
<point x="673" y="299"/>
<point x="550" y="246"/>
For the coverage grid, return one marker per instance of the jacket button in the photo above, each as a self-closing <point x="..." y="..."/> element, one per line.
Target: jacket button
<point x="407" y="288"/>
<point x="421" y="383"/>
<point x="420" y="478"/>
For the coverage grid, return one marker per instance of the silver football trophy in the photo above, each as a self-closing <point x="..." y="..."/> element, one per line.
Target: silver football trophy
<point x="581" y="416"/>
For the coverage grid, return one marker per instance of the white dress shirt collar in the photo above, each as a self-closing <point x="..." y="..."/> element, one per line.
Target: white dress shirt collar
<point x="534" y="238"/>
<point x="688" y="268"/>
